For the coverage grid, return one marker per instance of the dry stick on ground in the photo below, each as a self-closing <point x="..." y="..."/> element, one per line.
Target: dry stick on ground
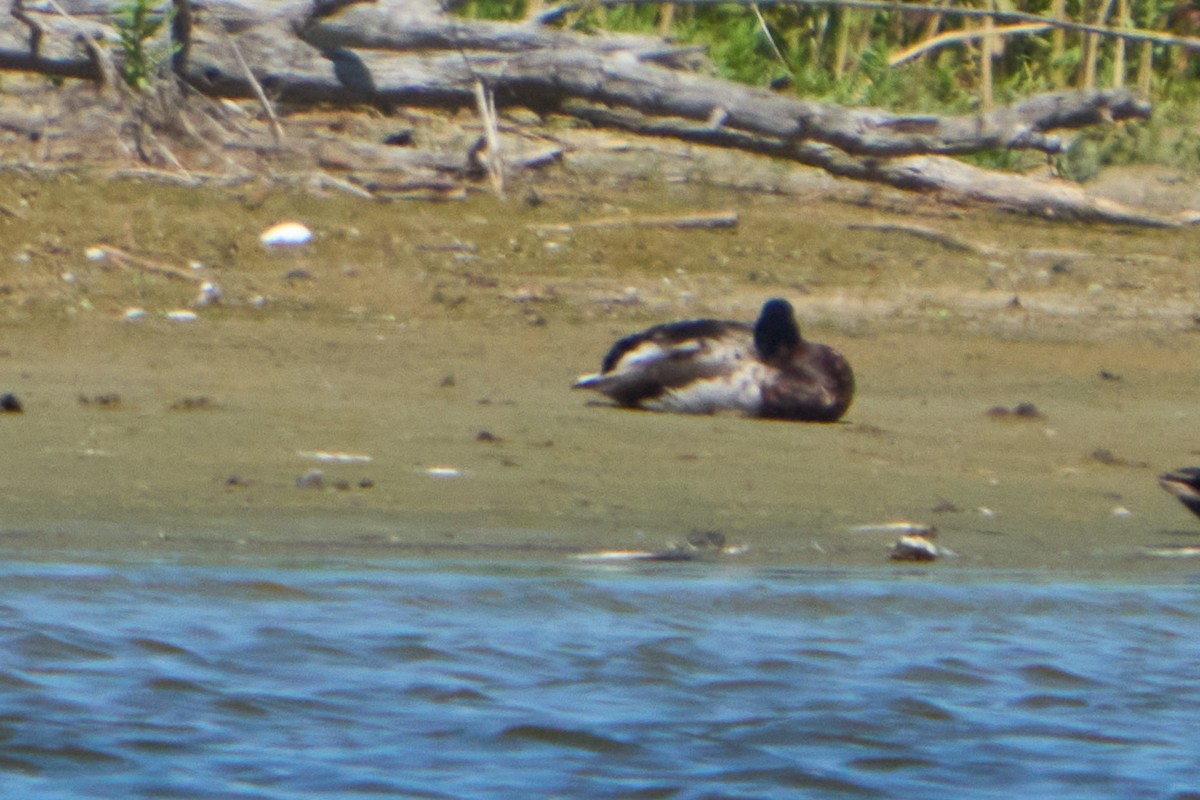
<point x="129" y="261"/>
<point x="929" y="234"/>
<point x="699" y="220"/>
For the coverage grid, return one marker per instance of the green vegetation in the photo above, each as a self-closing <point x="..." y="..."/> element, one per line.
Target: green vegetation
<point x="842" y="55"/>
<point x="137" y="24"/>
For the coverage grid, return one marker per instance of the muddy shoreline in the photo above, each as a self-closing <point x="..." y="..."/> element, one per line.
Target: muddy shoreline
<point x="439" y="340"/>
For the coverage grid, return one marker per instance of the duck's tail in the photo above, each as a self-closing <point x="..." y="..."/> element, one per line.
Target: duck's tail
<point x="592" y="381"/>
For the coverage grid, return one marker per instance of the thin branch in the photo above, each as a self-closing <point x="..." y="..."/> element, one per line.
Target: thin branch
<point x="762" y="23"/>
<point x="272" y="120"/>
<point x="107" y="70"/>
<point x="953" y="37"/>
<point x="485" y="102"/>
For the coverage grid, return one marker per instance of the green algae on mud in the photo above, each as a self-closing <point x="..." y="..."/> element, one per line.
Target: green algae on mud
<point x="446" y="336"/>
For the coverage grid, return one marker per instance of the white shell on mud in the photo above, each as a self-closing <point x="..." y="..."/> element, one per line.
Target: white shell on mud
<point x="335" y="456"/>
<point x="286" y="234"/>
<point x="182" y="315"/>
<point x="902" y="527"/>
<point x="135" y="313"/>
<point x="443" y="472"/>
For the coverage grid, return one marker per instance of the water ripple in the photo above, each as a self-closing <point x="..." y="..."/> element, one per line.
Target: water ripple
<point x="439" y="680"/>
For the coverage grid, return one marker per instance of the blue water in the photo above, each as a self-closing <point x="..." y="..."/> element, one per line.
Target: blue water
<point x="461" y="679"/>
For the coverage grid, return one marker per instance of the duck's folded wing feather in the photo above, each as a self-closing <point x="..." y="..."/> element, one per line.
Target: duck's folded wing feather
<point x="647" y="363"/>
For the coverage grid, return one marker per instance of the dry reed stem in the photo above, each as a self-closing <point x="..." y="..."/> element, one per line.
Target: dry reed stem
<point x="954" y="37"/>
<point x="272" y="119"/>
<point x="485" y="102"/>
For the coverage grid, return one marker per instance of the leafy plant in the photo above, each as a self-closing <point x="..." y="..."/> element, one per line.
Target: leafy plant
<point x="137" y="24"/>
<point x="842" y="55"/>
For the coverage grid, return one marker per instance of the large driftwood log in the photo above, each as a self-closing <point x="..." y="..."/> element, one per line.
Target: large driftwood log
<point x="348" y="52"/>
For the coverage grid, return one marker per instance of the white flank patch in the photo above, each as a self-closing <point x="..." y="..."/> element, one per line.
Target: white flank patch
<point x="740" y="390"/>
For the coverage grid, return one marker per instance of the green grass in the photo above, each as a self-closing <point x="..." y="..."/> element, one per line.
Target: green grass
<point x="945" y="81"/>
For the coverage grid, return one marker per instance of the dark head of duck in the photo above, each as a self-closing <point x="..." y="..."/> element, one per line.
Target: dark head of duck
<point x="776" y="333"/>
<point x="813" y="381"/>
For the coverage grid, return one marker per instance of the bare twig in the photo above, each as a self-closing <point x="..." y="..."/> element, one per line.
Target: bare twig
<point x="110" y="77"/>
<point x="485" y="102"/>
<point x="762" y="23"/>
<point x="928" y="234"/>
<point x="268" y="109"/>
<point x="699" y="220"/>
<point x="953" y="37"/>
<point x="128" y="261"/>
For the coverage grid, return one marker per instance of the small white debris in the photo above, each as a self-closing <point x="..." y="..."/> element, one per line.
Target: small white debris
<point x="1180" y="551"/>
<point x="182" y="315"/>
<point x="901" y="527"/>
<point x="95" y="253"/>
<point x="442" y="472"/>
<point x="210" y="295"/>
<point x="68" y="277"/>
<point x="286" y="234"/>
<point x="135" y="313"/>
<point x="1121" y="512"/>
<point x="985" y="512"/>
<point x="616" y="555"/>
<point x="335" y="456"/>
<point x="258" y="301"/>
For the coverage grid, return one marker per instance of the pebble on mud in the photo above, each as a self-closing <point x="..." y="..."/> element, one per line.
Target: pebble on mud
<point x="1102" y="455"/>
<point x="313" y="479"/>
<point x="1021" y="411"/>
<point x="9" y="404"/>
<point x="193" y="404"/>
<point x="110" y="401"/>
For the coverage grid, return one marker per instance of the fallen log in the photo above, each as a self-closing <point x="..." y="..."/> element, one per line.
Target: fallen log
<point x="407" y="54"/>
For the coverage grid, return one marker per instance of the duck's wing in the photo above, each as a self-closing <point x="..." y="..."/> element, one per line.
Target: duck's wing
<point x="645" y="364"/>
<point x="1183" y="484"/>
<point x="675" y="340"/>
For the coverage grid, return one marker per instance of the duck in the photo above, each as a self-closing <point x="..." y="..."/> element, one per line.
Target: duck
<point x="1184" y="483"/>
<point x="705" y="366"/>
